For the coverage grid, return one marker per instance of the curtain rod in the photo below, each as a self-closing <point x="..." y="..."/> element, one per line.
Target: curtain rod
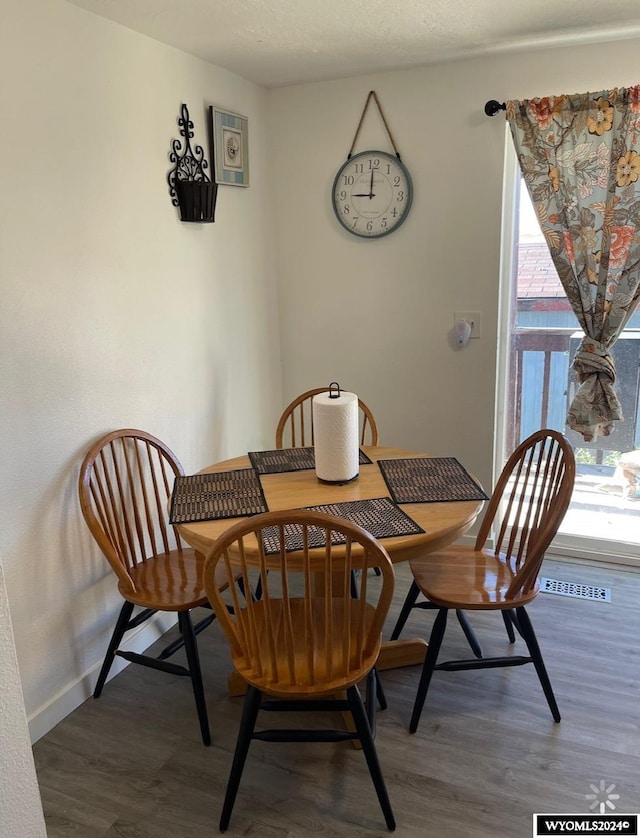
<point x="493" y="106"/>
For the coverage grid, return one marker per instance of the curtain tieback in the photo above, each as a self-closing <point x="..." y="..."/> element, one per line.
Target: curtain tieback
<point x="591" y="358"/>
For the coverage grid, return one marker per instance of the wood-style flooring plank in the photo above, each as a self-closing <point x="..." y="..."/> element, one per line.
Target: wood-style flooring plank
<point x="486" y="755"/>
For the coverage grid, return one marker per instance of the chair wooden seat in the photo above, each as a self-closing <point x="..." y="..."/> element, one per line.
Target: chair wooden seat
<point x="464" y="578"/>
<point x="168" y="582"/>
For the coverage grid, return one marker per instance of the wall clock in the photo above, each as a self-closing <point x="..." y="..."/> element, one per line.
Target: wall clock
<point x="372" y="194"/>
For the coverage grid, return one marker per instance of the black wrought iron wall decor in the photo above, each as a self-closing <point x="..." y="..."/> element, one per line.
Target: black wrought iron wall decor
<point x="191" y="189"/>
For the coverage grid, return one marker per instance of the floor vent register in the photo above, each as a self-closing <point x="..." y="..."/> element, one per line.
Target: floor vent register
<point x="575" y="590"/>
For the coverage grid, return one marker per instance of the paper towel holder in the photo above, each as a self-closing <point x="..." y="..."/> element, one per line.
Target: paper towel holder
<point x="336" y="435"/>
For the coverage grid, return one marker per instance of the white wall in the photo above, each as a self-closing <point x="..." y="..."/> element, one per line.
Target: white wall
<point x="113" y="313"/>
<point x="375" y="314"/>
<point x="20" y="807"/>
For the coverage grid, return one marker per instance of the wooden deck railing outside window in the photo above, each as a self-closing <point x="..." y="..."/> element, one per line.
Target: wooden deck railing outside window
<point x="540" y="397"/>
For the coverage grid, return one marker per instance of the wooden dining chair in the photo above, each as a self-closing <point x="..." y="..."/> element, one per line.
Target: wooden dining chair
<point x="125" y="483"/>
<point x="295" y="426"/>
<point x="523" y="515"/>
<point x="307" y="638"/>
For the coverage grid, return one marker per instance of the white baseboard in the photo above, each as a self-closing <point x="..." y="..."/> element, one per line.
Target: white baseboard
<point x="597" y="558"/>
<point x="47" y="717"/>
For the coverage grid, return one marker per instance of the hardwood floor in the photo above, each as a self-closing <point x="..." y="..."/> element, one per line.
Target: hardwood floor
<point x="486" y="756"/>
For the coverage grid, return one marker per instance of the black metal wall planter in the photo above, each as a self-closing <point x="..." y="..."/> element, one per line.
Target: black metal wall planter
<point x="191" y="189"/>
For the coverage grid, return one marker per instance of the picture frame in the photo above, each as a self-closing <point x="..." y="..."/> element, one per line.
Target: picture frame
<point x="229" y="138"/>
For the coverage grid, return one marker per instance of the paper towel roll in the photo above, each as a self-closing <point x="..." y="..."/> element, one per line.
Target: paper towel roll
<point x="335" y="434"/>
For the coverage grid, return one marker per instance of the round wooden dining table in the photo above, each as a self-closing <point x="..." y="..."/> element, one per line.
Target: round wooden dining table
<point x="442" y="522"/>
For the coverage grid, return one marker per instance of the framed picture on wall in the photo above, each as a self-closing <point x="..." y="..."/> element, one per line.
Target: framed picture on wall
<point x="229" y="137"/>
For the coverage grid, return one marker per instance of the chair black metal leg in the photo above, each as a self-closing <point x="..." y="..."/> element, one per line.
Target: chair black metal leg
<point x="370" y="700"/>
<point x="382" y="699"/>
<point x="247" y="724"/>
<point x="374" y="693"/>
<point x="257" y="594"/>
<point x="508" y="624"/>
<point x="514" y="621"/>
<point x="409" y="602"/>
<point x="366" y="740"/>
<point x="469" y="633"/>
<point x="173" y="647"/>
<point x="354" y="585"/>
<point x="191" y="649"/>
<point x="528" y="634"/>
<point x="435" y="641"/>
<point x="116" y="637"/>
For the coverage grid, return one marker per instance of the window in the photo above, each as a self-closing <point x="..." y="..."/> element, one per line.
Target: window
<point x="539" y="337"/>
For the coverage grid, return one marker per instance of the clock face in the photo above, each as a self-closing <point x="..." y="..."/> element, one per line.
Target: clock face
<point x="372" y="194"/>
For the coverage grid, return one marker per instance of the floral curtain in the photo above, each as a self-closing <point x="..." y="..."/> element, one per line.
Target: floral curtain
<point x="580" y="159"/>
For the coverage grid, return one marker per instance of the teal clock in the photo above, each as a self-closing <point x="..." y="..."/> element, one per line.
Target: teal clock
<point x="372" y="194"/>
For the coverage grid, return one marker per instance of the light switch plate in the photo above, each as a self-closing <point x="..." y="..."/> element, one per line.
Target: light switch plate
<point x="474" y="318"/>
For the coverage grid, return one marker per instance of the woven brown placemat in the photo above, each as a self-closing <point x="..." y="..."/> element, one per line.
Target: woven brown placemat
<point x="224" y="494"/>
<point x="289" y="459"/>
<point x="429" y="480"/>
<point x="379" y="516"/>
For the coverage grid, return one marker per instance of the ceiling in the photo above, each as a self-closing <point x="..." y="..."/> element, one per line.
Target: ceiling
<point x="281" y="42"/>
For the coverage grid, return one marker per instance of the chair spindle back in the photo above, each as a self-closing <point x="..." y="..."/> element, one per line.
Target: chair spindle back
<point x="307" y="632"/>
<point x="295" y="428"/>
<point x="125" y="483"/>
<point x="528" y="504"/>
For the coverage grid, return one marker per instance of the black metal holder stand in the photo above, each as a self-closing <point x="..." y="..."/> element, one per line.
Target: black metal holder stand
<point x="190" y="187"/>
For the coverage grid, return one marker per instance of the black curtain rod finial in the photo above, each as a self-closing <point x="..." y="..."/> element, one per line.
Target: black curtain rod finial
<point x="493" y="106"/>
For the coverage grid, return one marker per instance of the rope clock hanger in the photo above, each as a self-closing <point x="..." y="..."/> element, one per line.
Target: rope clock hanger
<point x="372" y="191"/>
